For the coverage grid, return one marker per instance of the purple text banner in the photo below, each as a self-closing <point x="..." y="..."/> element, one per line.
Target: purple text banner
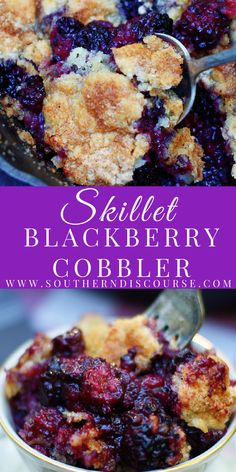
<point x="111" y="238"/>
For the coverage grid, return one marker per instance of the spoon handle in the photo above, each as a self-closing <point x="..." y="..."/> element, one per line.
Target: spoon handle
<point x="214" y="60"/>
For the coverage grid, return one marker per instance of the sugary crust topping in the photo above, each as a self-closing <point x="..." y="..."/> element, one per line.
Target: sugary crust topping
<point x="125" y="334"/>
<point x="112" y="101"/>
<point x="37" y="353"/>
<point x="88" y="439"/>
<point x="39" y="51"/>
<point x="223" y="80"/>
<point x="48" y="7"/>
<point x="91" y="119"/>
<point x="20" y="12"/>
<point x="204" y="392"/>
<point x="174" y="8"/>
<point x="105" y="158"/>
<point x="15" y="21"/>
<point x="94" y="329"/>
<point x="102" y="102"/>
<point x="183" y="144"/>
<point x="75" y="417"/>
<point x="83" y="10"/>
<point x="89" y="10"/>
<point x="154" y="63"/>
<point x="12" y="39"/>
<point x="186" y="448"/>
<point x="174" y="108"/>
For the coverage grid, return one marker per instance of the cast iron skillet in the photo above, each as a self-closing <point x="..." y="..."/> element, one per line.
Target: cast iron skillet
<point x="19" y="161"/>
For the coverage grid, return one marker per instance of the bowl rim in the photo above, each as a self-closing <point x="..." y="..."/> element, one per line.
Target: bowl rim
<point x="198" y="340"/>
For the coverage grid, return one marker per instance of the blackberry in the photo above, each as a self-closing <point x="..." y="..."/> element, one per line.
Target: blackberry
<point x="202" y="25"/>
<point x="32" y="93"/>
<point x="69" y="344"/>
<point x="11" y="78"/>
<point x="96" y="36"/>
<point x="135" y="30"/>
<point x="101" y="387"/>
<point x="63" y="37"/>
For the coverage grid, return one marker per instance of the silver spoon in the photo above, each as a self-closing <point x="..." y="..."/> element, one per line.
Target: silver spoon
<point x="179" y="314"/>
<point x="193" y="67"/>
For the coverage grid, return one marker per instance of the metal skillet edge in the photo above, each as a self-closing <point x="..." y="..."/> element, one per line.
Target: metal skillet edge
<point x="18" y="160"/>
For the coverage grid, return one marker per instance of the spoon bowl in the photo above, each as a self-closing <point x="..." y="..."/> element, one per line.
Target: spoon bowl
<point x="192" y="68"/>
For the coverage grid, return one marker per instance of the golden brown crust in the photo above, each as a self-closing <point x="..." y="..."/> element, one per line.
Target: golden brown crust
<point x="12" y="40"/>
<point x="205" y="396"/>
<point x="175" y="8"/>
<point x="40" y="350"/>
<point x="91" y="119"/>
<point x="94" y="329"/>
<point x="125" y="334"/>
<point x="155" y="64"/>
<point x="89" y="10"/>
<point x="112" y="100"/>
<point x="15" y="21"/>
<point x="20" y="12"/>
<point x="89" y="440"/>
<point x="105" y="159"/>
<point x="224" y="80"/>
<point x="83" y="10"/>
<point x="47" y="7"/>
<point x="183" y="144"/>
<point x="111" y="342"/>
<point x="173" y="106"/>
<point x="39" y="51"/>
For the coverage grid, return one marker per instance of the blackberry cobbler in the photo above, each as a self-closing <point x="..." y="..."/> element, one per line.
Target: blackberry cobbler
<point x="113" y="397"/>
<point x="94" y="89"/>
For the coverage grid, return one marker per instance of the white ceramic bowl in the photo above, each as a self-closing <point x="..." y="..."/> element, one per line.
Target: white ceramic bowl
<point x="40" y="463"/>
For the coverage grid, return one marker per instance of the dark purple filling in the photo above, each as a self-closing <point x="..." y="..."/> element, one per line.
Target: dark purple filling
<point x="202" y="25"/>
<point x="130" y="8"/>
<point x="69" y="33"/>
<point x="31" y="94"/>
<point x="136" y="416"/>
<point x="200" y="442"/>
<point x="136" y="29"/>
<point x="63" y="37"/>
<point x="206" y="122"/>
<point x="11" y="78"/>
<point x="28" y="91"/>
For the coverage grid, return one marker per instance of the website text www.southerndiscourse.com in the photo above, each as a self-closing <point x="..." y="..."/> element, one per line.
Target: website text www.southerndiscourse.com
<point x="117" y="283"/>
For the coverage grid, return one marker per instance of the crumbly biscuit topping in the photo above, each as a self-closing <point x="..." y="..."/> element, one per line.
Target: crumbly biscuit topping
<point x="125" y="334"/>
<point x="174" y="8"/>
<point x="184" y="145"/>
<point x="89" y="10"/>
<point x="205" y="394"/>
<point x="21" y="13"/>
<point x="94" y="124"/>
<point x="47" y="7"/>
<point x="174" y="108"/>
<point x="154" y="63"/>
<point x="36" y="354"/>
